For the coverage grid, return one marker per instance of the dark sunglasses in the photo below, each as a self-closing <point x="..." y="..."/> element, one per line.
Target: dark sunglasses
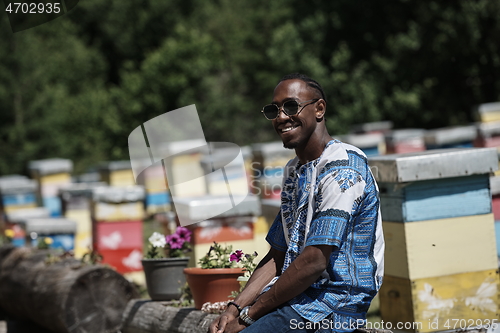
<point x="290" y="108"/>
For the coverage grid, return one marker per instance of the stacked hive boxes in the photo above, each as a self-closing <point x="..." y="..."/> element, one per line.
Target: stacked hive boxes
<point x="16" y="217"/>
<point x="235" y="226"/>
<point x="269" y="160"/>
<point x="17" y="192"/>
<point x="117" y="173"/>
<point x="405" y="141"/>
<point x="154" y="180"/>
<point x="450" y="137"/>
<point x="117" y="214"/>
<point x="61" y="232"/>
<point x="488" y="135"/>
<point x="76" y="200"/>
<point x="51" y="174"/>
<point x="184" y="168"/>
<point x="440" y="262"/>
<point x="369" y="137"/>
<point x="488" y="129"/>
<point x="488" y="112"/>
<point x="373" y="127"/>
<point x="372" y="144"/>
<point x="224" y="167"/>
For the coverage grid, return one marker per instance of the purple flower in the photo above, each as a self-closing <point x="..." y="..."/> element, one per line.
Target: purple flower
<point x="236" y="256"/>
<point x="184" y="233"/>
<point x="175" y="241"/>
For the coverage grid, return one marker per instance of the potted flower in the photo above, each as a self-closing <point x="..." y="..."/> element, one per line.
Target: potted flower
<point x="216" y="278"/>
<point x="164" y="263"/>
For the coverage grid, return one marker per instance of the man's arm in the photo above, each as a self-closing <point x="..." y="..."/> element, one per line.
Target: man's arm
<point x="299" y="276"/>
<point x="268" y="268"/>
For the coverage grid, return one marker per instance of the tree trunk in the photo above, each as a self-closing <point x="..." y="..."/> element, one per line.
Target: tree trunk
<point x="142" y="316"/>
<point x="65" y="296"/>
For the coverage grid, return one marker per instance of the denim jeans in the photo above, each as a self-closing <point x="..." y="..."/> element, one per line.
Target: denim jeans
<point x="283" y="319"/>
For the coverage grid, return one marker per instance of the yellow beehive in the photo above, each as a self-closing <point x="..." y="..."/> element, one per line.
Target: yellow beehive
<point x="104" y="211"/>
<point x="450" y="302"/>
<point x="83" y="235"/>
<point x="117" y="173"/>
<point x="432" y="248"/>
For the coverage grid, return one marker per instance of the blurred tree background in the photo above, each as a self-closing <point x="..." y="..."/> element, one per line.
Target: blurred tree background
<point x="77" y="86"/>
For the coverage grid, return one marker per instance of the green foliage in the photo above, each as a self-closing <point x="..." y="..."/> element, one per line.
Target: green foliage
<point x="77" y="86"/>
<point x="217" y="257"/>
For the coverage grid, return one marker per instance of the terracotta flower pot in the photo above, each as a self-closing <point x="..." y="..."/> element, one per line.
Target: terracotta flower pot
<point x="212" y="285"/>
<point x="164" y="277"/>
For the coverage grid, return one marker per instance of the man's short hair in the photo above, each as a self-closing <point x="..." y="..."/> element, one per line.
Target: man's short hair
<point x="310" y="82"/>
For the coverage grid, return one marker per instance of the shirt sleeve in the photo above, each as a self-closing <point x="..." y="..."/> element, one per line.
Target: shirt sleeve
<point x="338" y="194"/>
<point x="276" y="237"/>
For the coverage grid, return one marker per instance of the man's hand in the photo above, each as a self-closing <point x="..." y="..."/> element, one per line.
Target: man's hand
<point x="219" y="324"/>
<point x="235" y="326"/>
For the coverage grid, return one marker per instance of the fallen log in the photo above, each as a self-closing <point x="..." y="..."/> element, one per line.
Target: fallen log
<point x="143" y="316"/>
<point x="64" y="296"/>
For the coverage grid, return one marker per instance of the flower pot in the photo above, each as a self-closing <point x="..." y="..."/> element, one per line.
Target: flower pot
<point x="164" y="277"/>
<point x="213" y="284"/>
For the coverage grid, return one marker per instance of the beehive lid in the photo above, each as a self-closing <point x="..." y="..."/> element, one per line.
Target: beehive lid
<point x="79" y="189"/>
<point x="363" y="140"/>
<point x="115" y="165"/>
<point x="51" y="166"/>
<point x="207" y="207"/>
<point x="405" y="134"/>
<point x="450" y="135"/>
<point x="27" y="213"/>
<point x="434" y="164"/>
<point x="376" y="126"/>
<point x="49" y="225"/>
<point x="17" y="184"/>
<point x="118" y="194"/>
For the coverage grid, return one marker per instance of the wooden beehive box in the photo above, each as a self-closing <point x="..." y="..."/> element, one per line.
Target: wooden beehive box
<point x="450" y="137"/>
<point x="435" y="248"/>
<point x="444" y="303"/>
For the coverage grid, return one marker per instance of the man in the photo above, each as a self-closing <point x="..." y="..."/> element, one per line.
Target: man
<point x="325" y="264"/>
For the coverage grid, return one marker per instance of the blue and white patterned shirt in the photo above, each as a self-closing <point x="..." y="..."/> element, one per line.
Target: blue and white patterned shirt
<point x="333" y="200"/>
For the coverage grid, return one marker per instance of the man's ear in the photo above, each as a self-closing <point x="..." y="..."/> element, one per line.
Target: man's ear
<point x="320" y="109"/>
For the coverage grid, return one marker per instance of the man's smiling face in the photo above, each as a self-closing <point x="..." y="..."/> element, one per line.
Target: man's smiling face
<point x="296" y="130"/>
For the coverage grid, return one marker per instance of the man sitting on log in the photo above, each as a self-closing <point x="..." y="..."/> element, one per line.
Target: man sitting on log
<point x="325" y="264"/>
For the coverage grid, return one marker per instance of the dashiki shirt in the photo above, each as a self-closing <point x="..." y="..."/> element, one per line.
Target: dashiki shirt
<point x="333" y="200"/>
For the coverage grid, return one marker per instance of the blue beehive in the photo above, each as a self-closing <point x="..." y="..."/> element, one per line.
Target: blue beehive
<point x="60" y="230"/>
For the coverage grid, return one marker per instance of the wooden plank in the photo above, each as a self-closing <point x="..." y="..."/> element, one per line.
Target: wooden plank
<point x="396" y="303"/>
<point x="440" y="247"/>
<point x="435" y="199"/>
<point x="396" y="254"/>
<point x="460" y="296"/>
<point x="441" y="303"/>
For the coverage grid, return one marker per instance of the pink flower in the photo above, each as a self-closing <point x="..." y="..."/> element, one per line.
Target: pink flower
<point x="184" y="233"/>
<point x="236" y="256"/>
<point x="175" y="241"/>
